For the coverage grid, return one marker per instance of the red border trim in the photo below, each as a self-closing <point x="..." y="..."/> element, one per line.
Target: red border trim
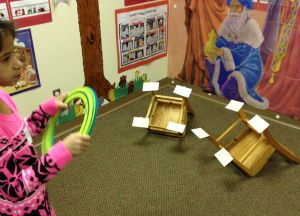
<point x="151" y="59"/>
<point x="34" y="20"/>
<point x="29" y="21"/>
<point x="133" y="2"/>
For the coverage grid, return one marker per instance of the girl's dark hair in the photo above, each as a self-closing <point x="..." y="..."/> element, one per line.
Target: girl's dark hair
<point x="6" y="28"/>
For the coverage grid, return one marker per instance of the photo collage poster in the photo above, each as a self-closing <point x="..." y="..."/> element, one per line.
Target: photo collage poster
<point x="141" y="34"/>
<point x="26" y="12"/>
<point x="29" y="77"/>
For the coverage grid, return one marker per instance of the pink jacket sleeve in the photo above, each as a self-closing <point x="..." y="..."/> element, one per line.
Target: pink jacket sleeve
<point x="46" y="167"/>
<point x="38" y="120"/>
<point x="17" y="183"/>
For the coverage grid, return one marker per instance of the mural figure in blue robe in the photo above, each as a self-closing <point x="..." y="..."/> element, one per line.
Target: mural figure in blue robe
<point x="237" y="68"/>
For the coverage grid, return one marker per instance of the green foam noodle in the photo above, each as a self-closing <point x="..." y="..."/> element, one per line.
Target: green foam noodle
<point x="90" y="100"/>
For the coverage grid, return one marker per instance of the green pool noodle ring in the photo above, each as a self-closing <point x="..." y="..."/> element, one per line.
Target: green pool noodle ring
<point x="90" y="100"/>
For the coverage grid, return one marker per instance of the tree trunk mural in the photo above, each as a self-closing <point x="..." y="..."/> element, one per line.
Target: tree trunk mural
<point x="89" y="26"/>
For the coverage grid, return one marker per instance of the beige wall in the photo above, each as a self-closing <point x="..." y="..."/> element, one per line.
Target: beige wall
<point x="178" y="35"/>
<point x="58" y="54"/>
<point x="156" y="70"/>
<point x="59" y="59"/>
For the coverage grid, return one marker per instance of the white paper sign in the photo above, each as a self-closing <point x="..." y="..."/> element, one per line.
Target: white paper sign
<point x="234" y="105"/>
<point x="150" y="86"/>
<point x="182" y="91"/>
<point x="224" y="157"/>
<point x="176" y="127"/>
<point x="140" y="122"/>
<point x="258" y="124"/>
<point x="200" y="133"/>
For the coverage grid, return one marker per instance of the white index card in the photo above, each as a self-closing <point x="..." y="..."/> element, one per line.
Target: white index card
<point x="234" y="105"/>
<point x="258" y="124"/>
<point x="182" y="91"/>
<point x="176" y="127"/>
<point x="224" y="157"/>
<point x="200" y="133"/>
<point x="150" y="86"/>
<point x="140" y="122"/>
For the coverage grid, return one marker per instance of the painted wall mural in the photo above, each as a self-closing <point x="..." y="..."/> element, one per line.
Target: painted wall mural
<point x="260" y="4"/>
<point x="90" y="34"/>
<point x="281" y="54"/>
<point x="243" y="62"/>
<point x="236" y="67"/>
<point x="124" y="87"/>
<point x="201" y="18"/>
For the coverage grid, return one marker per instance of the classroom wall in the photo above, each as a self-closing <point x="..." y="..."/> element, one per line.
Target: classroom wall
<point x="59" y="59"/>
<point x="155" y="71"/>
<point x="58" y="54"/>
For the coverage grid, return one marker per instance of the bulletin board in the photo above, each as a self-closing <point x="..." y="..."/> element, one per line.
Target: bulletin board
<point x="260" y="4"/>
<point x="141" y="34"/>
<point x="26" y="12"/>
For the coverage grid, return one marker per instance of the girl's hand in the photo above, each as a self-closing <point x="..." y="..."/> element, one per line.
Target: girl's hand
<point x="77" y="143"/>
<point x="59" y="101"/>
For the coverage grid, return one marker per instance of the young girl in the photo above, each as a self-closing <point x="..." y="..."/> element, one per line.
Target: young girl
<point x="22" y="174"/>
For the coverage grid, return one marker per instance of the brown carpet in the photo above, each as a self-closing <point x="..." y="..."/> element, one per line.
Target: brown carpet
<point x="128" y="171"/>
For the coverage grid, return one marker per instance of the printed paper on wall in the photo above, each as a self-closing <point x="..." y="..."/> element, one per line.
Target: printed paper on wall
<point x="141" y="34"/>
<point x="30" y="12"/>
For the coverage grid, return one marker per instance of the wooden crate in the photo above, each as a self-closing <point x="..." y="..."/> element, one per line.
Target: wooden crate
<point x="251" y="150"/>
<point x="165" y="109"/>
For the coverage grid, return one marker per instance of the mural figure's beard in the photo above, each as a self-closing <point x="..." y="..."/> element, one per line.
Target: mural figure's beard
<point x="236" y="20"/>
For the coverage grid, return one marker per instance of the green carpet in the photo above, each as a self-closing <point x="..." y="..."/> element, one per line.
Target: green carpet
<point x="128" y="171"/>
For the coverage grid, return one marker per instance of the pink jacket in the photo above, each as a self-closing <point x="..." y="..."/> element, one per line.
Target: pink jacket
<point x="22" y="173"/>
